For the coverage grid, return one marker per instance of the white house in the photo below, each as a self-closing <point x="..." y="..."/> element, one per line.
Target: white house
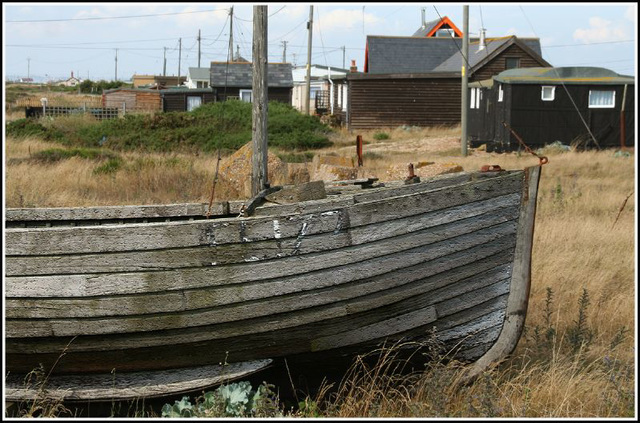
<point x="71" y="82"/>
<point x="198" y="78"/>
<point x="326" y="84"/>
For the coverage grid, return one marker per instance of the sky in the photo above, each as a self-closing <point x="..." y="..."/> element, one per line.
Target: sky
<point x="49" y="41"/>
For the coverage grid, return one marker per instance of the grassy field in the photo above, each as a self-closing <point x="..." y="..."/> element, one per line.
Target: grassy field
<point x="577" y="356"/>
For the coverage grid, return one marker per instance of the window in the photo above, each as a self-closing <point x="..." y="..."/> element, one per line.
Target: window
<point x="512" y="62"/>
<point x="601" y="99"/>
<point x="245" y="95"/>
<point x="193" y="102"/>
<point x="500" y="93"/>
<point x="202" y="84"/>
<point x="548" y="93"/>
<point x="476" y="95"/>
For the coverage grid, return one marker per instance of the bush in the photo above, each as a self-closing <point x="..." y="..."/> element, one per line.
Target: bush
<point x="381" y="136"/>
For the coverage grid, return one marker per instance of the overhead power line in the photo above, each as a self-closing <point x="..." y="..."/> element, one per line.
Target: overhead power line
<point x="116" y="17"/>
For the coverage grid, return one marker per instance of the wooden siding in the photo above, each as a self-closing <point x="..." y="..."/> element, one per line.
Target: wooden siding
<point x="282" y="95"/>
<point x="177" y="102"/>
<point x="390" y="102"/>
<point x="499" y="63"/>
<point x="140" y="100"/>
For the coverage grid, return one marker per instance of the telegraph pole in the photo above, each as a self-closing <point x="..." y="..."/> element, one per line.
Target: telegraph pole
<point x="164" y="66"/>
<point x="310" y="28"/>
<point x="179" y="58"/>
<point x="116" y="65"/>
<point x="198" y="48"/>
<point x="231" y="34"/>
<point x="259" y="180"/>
<point x="465" y="78"/>
<point x="28" y="67"/>
<point x="344" y="51"/>
<point x="284" y="52"/>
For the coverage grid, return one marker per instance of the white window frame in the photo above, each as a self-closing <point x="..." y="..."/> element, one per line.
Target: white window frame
<point x="500" y="93"/>
<point x="250" y="92"/>
<point x="603" y="106"/>
<point x="476" y="96"/>
<point x="190" y="100"/>
<point x="552" y="97"/>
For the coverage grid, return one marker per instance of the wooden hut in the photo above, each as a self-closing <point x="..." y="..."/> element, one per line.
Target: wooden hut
<point x="581" y="106"/>
<point x="130" y="99"/>
<point x="417" y="81"/>
<point x="186" y="99"/>
<point x="234" y="81"/>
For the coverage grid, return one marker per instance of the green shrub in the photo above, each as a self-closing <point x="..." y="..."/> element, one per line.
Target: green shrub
<point x="381" y="136"/>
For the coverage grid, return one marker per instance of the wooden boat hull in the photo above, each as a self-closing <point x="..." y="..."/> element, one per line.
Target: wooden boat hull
<point x="327" y="276"/>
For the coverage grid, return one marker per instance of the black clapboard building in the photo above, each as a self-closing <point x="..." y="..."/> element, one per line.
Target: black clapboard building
<point x="234" y="80"/>
<point x="587" y="107"/>
<point x="418" y="81"/>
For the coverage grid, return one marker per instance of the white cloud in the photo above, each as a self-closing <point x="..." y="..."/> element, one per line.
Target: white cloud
<point x="631" y="14"/>
<point x="601" y="30"/>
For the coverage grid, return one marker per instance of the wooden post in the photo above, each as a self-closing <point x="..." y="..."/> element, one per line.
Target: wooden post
<point x="465" y="78"/>
<point x="359" y="149"/>
<point x="622" y="121"/>
<point x="307" y="104"/>
<point x="260" y="101"/>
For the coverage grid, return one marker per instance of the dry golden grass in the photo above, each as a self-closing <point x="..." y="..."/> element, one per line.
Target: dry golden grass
<point x="584" y="240"/>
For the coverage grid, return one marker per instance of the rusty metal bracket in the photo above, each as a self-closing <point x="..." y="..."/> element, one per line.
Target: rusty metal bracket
<point x="543" y="159"/>
<point x="491" y="168"/>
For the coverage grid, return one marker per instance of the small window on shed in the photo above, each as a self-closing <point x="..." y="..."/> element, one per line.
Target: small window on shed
<point x="476" y="95"/>
<point x="245" y="95"/>
<point x="602" y="99"/>
<point x="193" y="102"/>
<point x="548" y="93"/>
<point x="512" y="62"/>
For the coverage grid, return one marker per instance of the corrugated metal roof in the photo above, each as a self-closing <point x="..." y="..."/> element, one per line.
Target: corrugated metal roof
<point x="241" y="74"/>
<point x="565" y="75"/>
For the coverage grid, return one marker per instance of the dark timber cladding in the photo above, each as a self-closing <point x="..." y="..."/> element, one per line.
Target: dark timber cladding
<point x="175" y="100"/>
<point x="377" y="101"/>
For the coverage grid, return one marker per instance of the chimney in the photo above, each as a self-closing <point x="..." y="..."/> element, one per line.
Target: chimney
<point x="424" y="19"/>
<point x="72" y="74"/>
<point x="483" y="43"/>
<point x="353" y="67"/>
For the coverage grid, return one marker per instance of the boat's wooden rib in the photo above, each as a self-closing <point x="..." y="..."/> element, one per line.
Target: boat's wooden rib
<point x="320" y="277"/>
<point x="114" y="386"/>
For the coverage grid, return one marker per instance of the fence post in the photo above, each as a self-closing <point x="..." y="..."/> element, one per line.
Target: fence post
<point x="359" y="149"/>
<point x="124" y="108"/>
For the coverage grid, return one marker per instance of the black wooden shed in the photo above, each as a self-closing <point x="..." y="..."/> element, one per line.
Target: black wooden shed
<point x="586" y="107"/>
<point x="186" y="99"/>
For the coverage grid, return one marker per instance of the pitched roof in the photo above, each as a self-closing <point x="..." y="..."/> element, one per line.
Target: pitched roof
<point x="385" y="55"/>
<point x="407" y="54"/>
<point x="477" y="57"/>
<point x="241" y="75"/>
<point x="199" y="74"/>
<point x="429" y="28"/>
<point x="565" y="75"/>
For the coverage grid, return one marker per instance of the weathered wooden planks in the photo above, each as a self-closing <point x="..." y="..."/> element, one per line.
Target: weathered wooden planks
<point x="241" y="253"/>
<point x="348" y="271"/>
<point x="117" y="386"/>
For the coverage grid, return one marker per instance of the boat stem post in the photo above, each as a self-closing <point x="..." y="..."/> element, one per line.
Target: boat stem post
<point x="260" y="101"/>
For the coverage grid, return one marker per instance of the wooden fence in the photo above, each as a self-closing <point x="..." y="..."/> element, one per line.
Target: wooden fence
<point x="97" y="112"/>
